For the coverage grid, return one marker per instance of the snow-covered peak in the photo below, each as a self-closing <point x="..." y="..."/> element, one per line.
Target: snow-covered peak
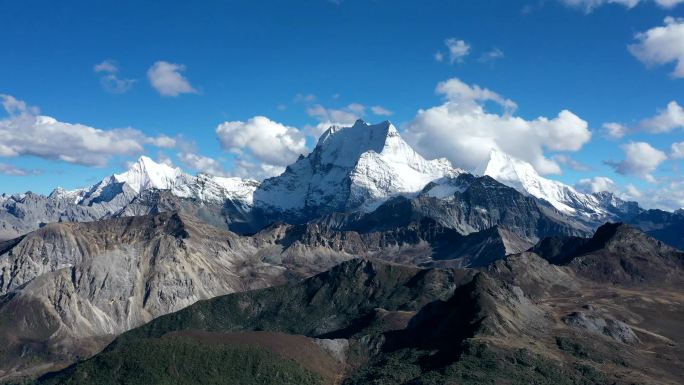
<point x="210" y="188"/>
<point x="523" y="177"/>
<point x="146" y="174"/>
<point x="72" y="196"/>
<point x="343" y="146"/>
<point x="352" y="167"/>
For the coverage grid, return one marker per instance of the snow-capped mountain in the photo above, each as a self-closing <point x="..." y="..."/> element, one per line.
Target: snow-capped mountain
<point x="146" y="174"/>
<point x="351" y="168"/>
<point x="522" y="176"/>
<point x="21" y="213"/>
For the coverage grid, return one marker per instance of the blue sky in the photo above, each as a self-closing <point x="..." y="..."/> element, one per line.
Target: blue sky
<point x="304" y="63"/>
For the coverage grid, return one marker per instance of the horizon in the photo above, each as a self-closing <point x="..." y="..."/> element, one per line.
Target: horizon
<point x="242" y="90"/>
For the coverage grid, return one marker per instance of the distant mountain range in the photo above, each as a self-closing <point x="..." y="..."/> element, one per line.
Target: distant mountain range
<point x="502" y="267"/>
<point x="352" y="172"/>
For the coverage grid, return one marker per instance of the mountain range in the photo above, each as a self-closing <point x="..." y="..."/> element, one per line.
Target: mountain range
<point x="353" y="169"/>
<point x="154" y="261"/>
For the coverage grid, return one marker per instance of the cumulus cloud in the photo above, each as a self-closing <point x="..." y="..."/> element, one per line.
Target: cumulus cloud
<point x="677" y="150"/>
<point x="11" y="170"/>
<point x="590" y="5"/>
<point x="262" y="141"/>
<point x="14" y="106"/>
<point x="457" y="49"/>
<point x="667" y="195"/>
<point x="463" y="131"/>
<point x="203" y="164"/>
<point x="326" y="117"/>
<point x="168" y="80"/>
<point x="109" y="78"/>
<point x="381" y="111"/>
<point x="641" y="160"/>
<point x="162" y="141"/>
<point x="249" y="169"/>
<point x="666" y="120"/>
<point x="25" y="132"/>
<point x="596" y="184"/>
<point x="569" y="162"/>
<point x="662" y="45"/>
<point x="614" y="130"/>
<point x="492" y="55"/>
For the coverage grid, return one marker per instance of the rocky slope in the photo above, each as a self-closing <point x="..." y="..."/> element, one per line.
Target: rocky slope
<point x="619" y="254"/>
<point x="466" y="204"/>
<point x="70" y="287"/>
<point x="393" y="324"/>
<point x="663" y="225"/>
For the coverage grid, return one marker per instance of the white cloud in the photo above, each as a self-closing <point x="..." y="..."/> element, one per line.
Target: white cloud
<point x="668" y="195"/>
<point x="569" y="162"/>
<point x="465" y="133"/>
<point x="250" y="169"/>
<point x="109" y="78"/>
<point x="305" y="98"/>
<point x="106" y="66"/>
<point x="342" y="116"/>
<point x="345" y="116"/>
<point x="381" y="111"/>
<point x="666" y="120"/>
<point x="203" y="164"/>
<point x="669" y="3"/>
<point x="458" y="49"/>
<point x="162" y="141"/>
<point x="493" y="55"/>
<point x="167" y="79"/>
<point x="263" y="140"/>
<point x="439" y="56"/>
<point x="677" y="150"/>
<point x="470" y="97"/>
<point x="614" y="130"/>
<point x="24" y="132"/>
<point x="661" y="45"/>
<point x="14" y="106"/>
<point x="11" y="170"/>
<point x="596" y="184"/>
<point x="641" y="159"/>
<point x="590" y="5"/>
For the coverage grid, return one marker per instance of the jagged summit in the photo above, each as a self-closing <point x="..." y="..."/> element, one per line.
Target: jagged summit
<point x="350" y="168"/>
<point x="146" y="174"/>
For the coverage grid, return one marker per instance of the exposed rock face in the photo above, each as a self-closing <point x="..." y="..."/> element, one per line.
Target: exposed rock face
<point x="593" y="323"/>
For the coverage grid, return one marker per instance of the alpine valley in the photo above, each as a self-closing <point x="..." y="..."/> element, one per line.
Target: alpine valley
<point x="362" y="263"/>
